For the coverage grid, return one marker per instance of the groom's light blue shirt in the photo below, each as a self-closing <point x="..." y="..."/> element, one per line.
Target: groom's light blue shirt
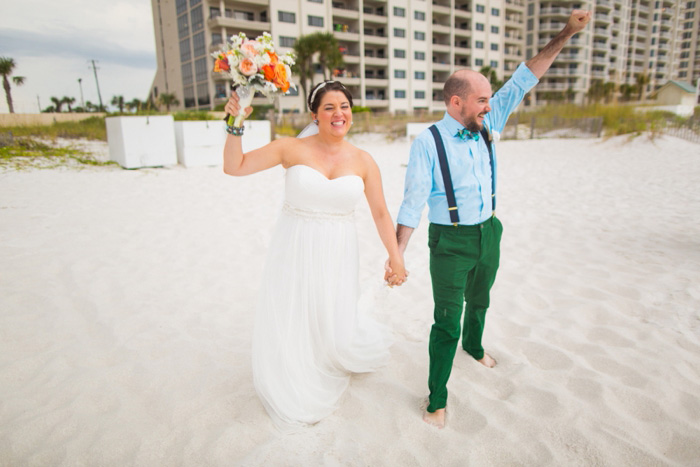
<point x="470" y="168"/>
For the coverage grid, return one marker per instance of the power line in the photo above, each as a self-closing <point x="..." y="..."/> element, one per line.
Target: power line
<point x="94" y="69"/>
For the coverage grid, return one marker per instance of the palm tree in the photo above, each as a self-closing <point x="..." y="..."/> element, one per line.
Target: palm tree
<point x="69" y="101"/>
<point x="490" y="73"/>
<point x="167" y="100"/>
<point x="118" y="101"/>
<point x="133" y="105"/>
<point x="304" y="49"/>
<point x="329" y="55"/>
<point x="6" y="66"/>
<point x="57" y="103"/>
<point x="642" y="79"/>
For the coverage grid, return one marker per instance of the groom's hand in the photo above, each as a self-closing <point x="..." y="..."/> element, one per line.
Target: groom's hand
<point x="390" y="278"/>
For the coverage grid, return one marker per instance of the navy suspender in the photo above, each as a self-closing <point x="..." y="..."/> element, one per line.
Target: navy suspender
<point x="445" y="169"/>
<point x="487" y="140"/>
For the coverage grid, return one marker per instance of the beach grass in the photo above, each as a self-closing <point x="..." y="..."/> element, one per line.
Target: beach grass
<point x="27" y="152"/>
<point x="92" y="128"/>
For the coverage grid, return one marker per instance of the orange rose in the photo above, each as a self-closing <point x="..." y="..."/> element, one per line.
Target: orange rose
<point x="221" y="65"/>
<point x="273" y="57"/>
<point x="248" y="67"/>
<point x="280" y="79"/>
<point x="269" y="72"/>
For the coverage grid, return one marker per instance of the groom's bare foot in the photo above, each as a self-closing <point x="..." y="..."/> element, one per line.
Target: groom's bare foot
<point x="436" y="419"/>
<point x="487" y="361"/>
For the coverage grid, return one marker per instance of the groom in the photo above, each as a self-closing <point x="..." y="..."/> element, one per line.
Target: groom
<point x="464" y="233"/>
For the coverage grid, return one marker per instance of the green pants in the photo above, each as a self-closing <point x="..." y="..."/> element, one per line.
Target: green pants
<point x="463" y="265"/>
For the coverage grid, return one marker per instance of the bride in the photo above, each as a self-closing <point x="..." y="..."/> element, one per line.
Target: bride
<point x="309" y="336"/>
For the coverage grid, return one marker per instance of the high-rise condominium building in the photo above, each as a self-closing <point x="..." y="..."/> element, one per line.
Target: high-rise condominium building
<point x="398" y="53"/>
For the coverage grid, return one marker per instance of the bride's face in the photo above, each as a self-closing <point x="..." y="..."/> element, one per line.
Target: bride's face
<point x="334" y="113"/>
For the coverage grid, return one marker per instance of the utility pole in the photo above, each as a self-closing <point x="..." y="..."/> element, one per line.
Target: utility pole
<point x="82" y="101"/>
<point x="94" y="69"/>
<point x="38" y="102"/>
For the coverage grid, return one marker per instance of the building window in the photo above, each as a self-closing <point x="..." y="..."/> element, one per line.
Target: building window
<point x="220" y="92"/>
<point x="399" y="11"/>
<point x="316" y="1"/>
<point x="185" y="52"/>
<point x="494" y="46"/>
<point x="181" y="5"/>
<point x="316" y="21"/>
<point x="214" y="12"/>
<point x="495" y="12"/>
<point x="478" y="62"/>
<point x="494" y="29"/>
<point x="685" y="54"/>
<point x="399" y="94"/>
<point x="399" y="53"/>
<point x="493" y="64"/>
<point x="183" y="26"/>
<point x="419" y="75"/>
<point x="198" y="44"/>
<point x="286" y="17"/>
<point x="419" y="15"/>
<point x="689" y="15"/>
<point x="195" y="2"/>
<point x="479" y="26"/>
<point x="688" y="25"/>
<point x="243" y="15"/>
<point x="479" y="44"/>
<point x="480" y="8"/>
<point x="399" y="74"/>
<point x="419" y="55"/>
<point x="201" y="69"/>
<point x="203" y="94"/>
<point x="186" y="70"/>
<point x="682" y="74"/>
<point x="286" y="41"/>
<point x="419" y="36"/>
<point x="197" y="18"/>
<point x="189" y="96"/>
<point x="398" y="32"/>
<point x="216" y="38"/>
<point x="683" y="65"/>
<point x="419" y="94"/>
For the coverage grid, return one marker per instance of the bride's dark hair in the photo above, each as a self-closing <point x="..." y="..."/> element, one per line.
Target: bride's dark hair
<point x="321" y="89"/>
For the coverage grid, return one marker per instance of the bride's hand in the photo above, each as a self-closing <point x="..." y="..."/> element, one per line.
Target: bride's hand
<point x="232" y="107"/>
<point x="395" y="274"/>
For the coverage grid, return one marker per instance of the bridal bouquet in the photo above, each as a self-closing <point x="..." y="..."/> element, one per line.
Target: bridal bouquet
<point x="254" y="66"/>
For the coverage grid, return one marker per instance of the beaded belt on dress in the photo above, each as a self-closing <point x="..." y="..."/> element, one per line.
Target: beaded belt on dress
<point x="311" y="214"/>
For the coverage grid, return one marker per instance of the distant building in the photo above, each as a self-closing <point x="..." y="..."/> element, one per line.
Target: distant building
<point x="398" y="53"/>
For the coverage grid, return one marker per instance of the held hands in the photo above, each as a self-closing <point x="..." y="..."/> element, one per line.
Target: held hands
<point x="395" y="272"/>
<point x="232" y="107"/>
<point x="578" y="20"/>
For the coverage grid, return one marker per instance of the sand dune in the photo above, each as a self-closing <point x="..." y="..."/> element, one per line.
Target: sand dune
<point x="127" y="302"/>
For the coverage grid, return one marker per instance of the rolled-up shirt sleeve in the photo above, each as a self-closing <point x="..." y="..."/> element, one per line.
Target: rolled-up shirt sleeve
<point x="509" y="96"/>
<point x="418" y="183"/>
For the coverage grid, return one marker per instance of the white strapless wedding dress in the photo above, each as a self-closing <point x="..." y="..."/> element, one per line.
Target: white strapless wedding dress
<point x="308" y="334"/>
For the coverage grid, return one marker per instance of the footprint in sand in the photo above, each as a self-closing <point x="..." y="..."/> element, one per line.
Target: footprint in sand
<point x="546" y="357"/>
<point x="606" y="336"/>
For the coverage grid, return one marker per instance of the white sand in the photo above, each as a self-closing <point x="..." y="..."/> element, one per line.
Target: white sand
<point x="127" y="302"/>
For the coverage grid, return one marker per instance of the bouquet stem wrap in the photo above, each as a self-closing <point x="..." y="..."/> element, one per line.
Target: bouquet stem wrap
<point x="245" y="98"/>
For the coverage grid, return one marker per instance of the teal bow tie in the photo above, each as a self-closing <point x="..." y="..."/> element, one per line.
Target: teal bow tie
<point x="466" y="134"/>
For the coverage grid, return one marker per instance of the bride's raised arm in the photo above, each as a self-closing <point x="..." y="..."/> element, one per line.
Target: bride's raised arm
<point x="236" y="162"/>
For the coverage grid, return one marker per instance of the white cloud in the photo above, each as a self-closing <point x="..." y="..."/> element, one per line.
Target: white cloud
<point x="52" y="42"/>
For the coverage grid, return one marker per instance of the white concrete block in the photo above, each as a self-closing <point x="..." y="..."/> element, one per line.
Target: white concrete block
<point x="200" y="143"/>
<point x="136" y="142"/>
<point x="414" y="129"/>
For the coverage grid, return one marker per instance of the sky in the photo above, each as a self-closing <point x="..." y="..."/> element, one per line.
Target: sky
<point x="53" y="42"/>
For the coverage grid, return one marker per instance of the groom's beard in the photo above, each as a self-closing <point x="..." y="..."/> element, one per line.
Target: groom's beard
<point x="473" y="125"/>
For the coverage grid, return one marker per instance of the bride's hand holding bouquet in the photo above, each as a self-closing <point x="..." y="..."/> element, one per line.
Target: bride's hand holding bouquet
<point x="253" y="66"/>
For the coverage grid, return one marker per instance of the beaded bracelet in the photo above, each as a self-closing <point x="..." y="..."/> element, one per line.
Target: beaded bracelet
<point x="235" y="131"/>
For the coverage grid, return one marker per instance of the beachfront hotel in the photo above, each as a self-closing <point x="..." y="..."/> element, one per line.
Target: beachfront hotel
<point x="398" y="53"/>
